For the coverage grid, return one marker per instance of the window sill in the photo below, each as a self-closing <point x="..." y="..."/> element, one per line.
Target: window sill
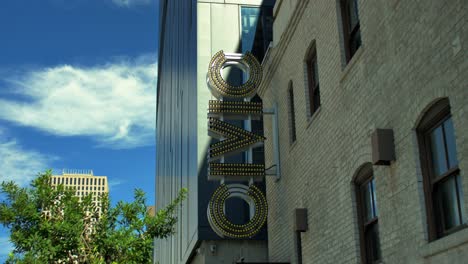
<point x="351" y="63"/>
<point x="292" y="145"/>
<point x="445" y="243"/>
<point x="311" y="118"/>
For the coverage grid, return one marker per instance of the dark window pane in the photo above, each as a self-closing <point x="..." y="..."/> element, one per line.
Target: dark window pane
<point x="351" y="27"/>
<point x="373" y="244"/>
<point x="316" y="76"/>
<point x="374" y="199"/>
<point x="316" y="98"/>
<point x="249" y="17"/>
<point x="368" y="206"/>
<point x="312" y="70"/>
<point x="312" y="75"/>
<point x="446" y="196"/>
<point x="439" y="164"/>
<point x="354" y="13"/>
<point x="257" y="30"/>
<point x="292" y="115"/>
<point x="450" y="140"/>
<point x="355" y="40"/>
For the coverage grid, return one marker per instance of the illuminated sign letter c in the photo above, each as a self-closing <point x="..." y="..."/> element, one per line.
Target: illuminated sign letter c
<point x="246" y="62"/>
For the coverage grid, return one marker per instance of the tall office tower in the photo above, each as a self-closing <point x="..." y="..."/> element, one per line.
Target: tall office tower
<point x="191" y="32"/>
<point x="85" y="183"/>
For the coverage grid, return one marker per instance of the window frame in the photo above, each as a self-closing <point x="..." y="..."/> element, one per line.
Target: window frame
<point x="347" y="30"/>
<point x="291" y="114"/>
<point x="434" y="118"/>
<point x="313" y="82"/>
<point x="365" y="176"/>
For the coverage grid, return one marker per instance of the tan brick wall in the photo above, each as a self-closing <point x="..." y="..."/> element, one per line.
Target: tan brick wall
<point x="413" y="52"/>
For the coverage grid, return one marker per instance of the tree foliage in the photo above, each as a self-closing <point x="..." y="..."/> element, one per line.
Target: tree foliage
<point x="50" y="225"/>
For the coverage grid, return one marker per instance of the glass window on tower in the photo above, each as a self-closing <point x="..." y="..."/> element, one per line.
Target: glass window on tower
<point x="249" y="19"/>
<point x="257" y="33"/>
<point x="257" y="30"/>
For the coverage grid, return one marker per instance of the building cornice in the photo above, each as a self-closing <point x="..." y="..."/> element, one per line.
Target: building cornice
<point x="275" y="54"/>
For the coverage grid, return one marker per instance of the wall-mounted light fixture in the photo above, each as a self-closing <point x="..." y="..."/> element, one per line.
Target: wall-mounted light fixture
<point x="383" y="147"/>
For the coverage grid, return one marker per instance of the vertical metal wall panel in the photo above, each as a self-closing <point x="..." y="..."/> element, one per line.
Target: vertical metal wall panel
<point x="176" y="130"/>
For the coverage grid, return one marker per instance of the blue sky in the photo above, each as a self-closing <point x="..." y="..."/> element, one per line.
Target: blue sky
<point x="78" y="91"/>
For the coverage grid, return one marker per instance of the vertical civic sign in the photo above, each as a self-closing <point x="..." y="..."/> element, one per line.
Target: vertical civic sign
<point x="233" y="139"/>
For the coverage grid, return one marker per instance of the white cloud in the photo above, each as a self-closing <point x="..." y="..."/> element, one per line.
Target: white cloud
<point x="115" y="104"/>
<point x="128" y="3"/>
<point x="21" y="165"/>
<point x="113" y="183"/>
<point x="5" y="246"/>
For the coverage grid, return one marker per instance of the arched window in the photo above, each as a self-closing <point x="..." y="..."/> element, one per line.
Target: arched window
<point x="313" y="85"/>
<point x="368" y="215"/>
<point x="351" y="27"/>
<point x="439" y="164"/>
<point x="291" y="113"/>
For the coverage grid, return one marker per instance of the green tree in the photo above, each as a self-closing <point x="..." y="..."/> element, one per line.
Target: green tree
<point x="50" y="225"/>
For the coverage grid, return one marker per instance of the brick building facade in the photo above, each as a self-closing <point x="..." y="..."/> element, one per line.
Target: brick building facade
<point x="336" y="76"/>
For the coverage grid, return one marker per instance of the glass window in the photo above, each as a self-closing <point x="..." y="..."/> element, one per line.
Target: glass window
<point x="256" y="35"/>
<point x="368" y="217"/>
<point x="249" y="19"/>
<point x="439" y="164"/>
<point x="448" y="202"/>
<point x="442" y="182"/>
<point x="257" y="30"/>
<point x="450" y="142"/>
<point x="313" y="82"/>
<point x="351" y="27"/>
<point x="292" y="115"/>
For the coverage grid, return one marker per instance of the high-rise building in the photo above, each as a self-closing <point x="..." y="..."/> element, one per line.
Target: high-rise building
<point x="151" y="210"/>
<point x="84" y="182"/>
<point x="191" y="32"/>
